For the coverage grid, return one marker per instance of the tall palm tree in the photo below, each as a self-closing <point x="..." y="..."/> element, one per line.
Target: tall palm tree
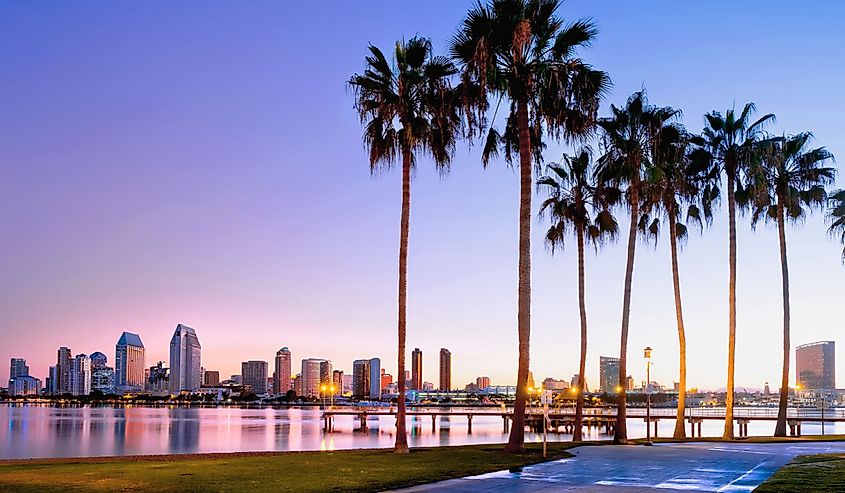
<point x="521" y="51"/>
<point x="680" y="177"/>
<point x="627" y="138"/>
<point x="836" y="216"/>
<point x="577" y="205"/>
<point x="731" y="140"/>
<point x="786" y="182"/>
<point x="408" y="108"/>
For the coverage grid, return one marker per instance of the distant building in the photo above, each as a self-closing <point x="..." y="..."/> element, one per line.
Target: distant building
<point x="311" y="376"/>
<point x="185" y="365"/>
<point x="445" y="369"/>
<point x="416" y="369"/>
<point x="530" y="381"/>
<point x="52" y="380"/>
<point x="337" y="381"/>
<point x="386" y="379"/>
<point x="98" y="360"/>
<point x="238" y="379"/>
<point x="18" y="368"/>
<point x="427" y="386"/>
<point x="553" y="384"/>
<point x="80" y="375"/>
<point x="608" y="374"/>
<point x="325" y="374"/>
<point x="63" y="370"/>
<point x="159" y="378"/>
<point x="482" y="383"/>
<point x="211" y="378"/>
<point x="254" y="376"/>
<point x="471" y="388"/>
<point x="24" y="385"/>
<point x="282" y="374"/>
<point x="629" y="383"/>
<point x="815" y="365"/>
<point x="574" y="383"/>
<point x="366" y="378"/>
<point x="129" y="363"/>
<point x="347" y="384"/>
<point x="297" y="384"/>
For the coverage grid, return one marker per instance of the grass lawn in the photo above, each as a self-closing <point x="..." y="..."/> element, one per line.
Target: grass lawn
<point x="810" y="473"/>
<point x="353" y="470"/>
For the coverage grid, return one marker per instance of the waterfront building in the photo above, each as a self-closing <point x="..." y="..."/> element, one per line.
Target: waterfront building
<point x="416" y="369"/>
<point x="282" y="373"/>
<point x="427" y="387"/>
<point x="53" y="380"/>
<point x="375" y="378"/>
<point x="386" y="379"/>
<point x="102" y="379"/>
<point x="574" y="383"/>
<point x="98" y="360"/>
<point x="445" y="369"/>
<point x="325" y="373"/>
<point x="482" y="383"/>
<point x="24" y="385"/>
<point x="297" y="384"/>
<point x="238" y="379"/>
<point x="815" y="366"/>
<point x="254" y="376"/>
<point x="311" y="376"/>
<point x="185" y="365"/>
<point x="531" y="382"/>
<point x="347" y="384"/>
<point x="337" y="381"/>
<point x="129" y="363"/>
<point x="79" y="378"/>
<point x="366" y="378"/>
<point x="211" y="378"/>
<point x="63" y="370"/>
<point x="554" y="384"/>
<point x="608" y="374"/>
<point x="159" y="378"/>
<point x="18" y="368"/>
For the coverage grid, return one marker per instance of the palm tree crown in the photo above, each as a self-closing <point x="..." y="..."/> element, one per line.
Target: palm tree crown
<point x="409" y="104"/>
<point x="836" y="216"/>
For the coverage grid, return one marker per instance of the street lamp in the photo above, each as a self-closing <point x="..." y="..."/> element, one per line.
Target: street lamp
<point x="332" y="391"/>
<point x="323" y="392"/>
<point x="647" y="354"/>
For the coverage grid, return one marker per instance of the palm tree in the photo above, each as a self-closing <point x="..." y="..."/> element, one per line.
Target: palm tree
<point x="731" y="139"/>
<point x="627" y="138"/>
<point x="836" y="216"/>
<point x="521" y="51"/>
<point x="408" y="108"/>
<point x="576" y="204"/>
<point x="786" y="182"/>
<point x="681" y="176"/>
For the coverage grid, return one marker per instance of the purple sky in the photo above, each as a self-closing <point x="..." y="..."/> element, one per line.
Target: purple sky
<point x="201" y="163"/>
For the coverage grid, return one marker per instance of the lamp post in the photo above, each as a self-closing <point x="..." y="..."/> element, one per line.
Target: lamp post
<point x="323" y="392"/>
<point x="647" y="354"/>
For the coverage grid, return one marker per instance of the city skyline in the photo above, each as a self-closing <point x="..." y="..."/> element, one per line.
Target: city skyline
<point x="105" y="200"/>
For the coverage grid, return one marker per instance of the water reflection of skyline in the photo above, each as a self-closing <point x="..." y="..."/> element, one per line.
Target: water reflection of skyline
<point x="28" y="431"/>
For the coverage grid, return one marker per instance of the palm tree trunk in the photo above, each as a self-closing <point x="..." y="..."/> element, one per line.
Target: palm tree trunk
<point x="780" y="427"/>
<point x="621" y="432"/>
<point x="401" y="446"/>
<point x="729" y="391"/>
<point x="516" y="440"/>
<point x="680" y="429"/>
<point x="579" y="406"/>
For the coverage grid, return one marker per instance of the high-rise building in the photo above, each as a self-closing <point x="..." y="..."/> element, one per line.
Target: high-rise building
<point x="815" y="365"/>
<point x="574" y="382"/>
<point x="158" y="378"/>
<point x="211" y="378"/>
<point x="185" y="354"/>
<point x="254" y="375"/>
<point x="63" y="371"/>
<point x="386" y="379"/>
<point x="361" y="378"/>
<point x="629" y="383"/>
<point x="337" y="381"/>
<point x="281" y="377"/>
<point x="311" y="377"/>
<point x="416" y="369"/>
<point x="482" y="382"/>
<point x="129" y="355"/>
<point x="24" y="385"/>
<point x="445" y="369"/>
<point x="347" y="384"/>
<point x="375" y="379"/>
<point x="80" y="375"/>
<point x="297" y="384"/>
<point x="18" y="368"/>
<point x="555" y="384"/>
<point x="325" y="373"/>
<point x="608" y="374"/>
<point x="98" y="360"/>
<point x="53" y="381"/>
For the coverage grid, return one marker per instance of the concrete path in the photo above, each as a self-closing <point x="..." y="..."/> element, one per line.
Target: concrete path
<point x="723" y="467"/>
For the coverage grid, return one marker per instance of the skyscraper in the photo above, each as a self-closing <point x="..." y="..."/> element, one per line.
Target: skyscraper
<point x="326" y="373"/>
<point x="445" y="369"/>
<point x="416" y="369"/>
<point x="311" y="377"/>
<point x="185" y="367"/>
<point x="129" y="368"/>
<point x="482" y="382"/>
<point x="80" y="375"/>
<point x="17" y="370"/>
<point x="98" y="360"/>
<point x="608" y="374"/>
<point x="281" y="377"/>
<point x="211" y="378"/>
<point x="63" y="371"/>
<point x="815" y="365"/>
<point x="361" y="378"/>
<point x="375" y="379"/>
<point x="337" y="381"/>
<point x="102" y="376"/>
<point x="254" y="374"/>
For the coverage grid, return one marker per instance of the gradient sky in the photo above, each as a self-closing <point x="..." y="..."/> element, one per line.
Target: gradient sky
<point x="201" y="163"/>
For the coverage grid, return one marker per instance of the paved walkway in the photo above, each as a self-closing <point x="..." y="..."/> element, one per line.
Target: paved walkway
<point x="723" y="467"/>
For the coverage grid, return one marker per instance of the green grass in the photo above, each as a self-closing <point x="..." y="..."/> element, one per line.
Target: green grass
<point x="808" y="473"/>
<point x="353" y="471"/>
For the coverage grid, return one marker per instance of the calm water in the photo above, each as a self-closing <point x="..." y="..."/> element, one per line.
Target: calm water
<point x="29" y="431"/>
